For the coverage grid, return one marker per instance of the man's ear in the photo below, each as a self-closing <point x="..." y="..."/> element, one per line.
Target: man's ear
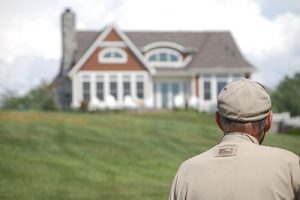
<point x="269" y="121"/>
<point x="218" y="120"/>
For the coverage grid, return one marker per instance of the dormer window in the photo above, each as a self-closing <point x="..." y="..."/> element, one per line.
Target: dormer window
<point x="174" y="58"/>
<point x="164" y="57"/>
<point x="112" y="55"/>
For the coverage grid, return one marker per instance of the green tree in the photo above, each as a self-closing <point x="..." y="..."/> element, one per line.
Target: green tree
<point x="38" y="98"/>
<point x="286" y="97"/>
<point x="11" y="100"/>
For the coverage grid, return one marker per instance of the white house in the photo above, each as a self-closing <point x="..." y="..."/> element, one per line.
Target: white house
<point x="116" y="69"/>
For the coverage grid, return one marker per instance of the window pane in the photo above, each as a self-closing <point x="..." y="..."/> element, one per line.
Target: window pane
<point x="140" y="89"/>
<point x="186" y="90"/>
<point x="100" y="90"/>
<point x="67" y="98"/>
<point x="107" y="55"/>
<point x="175" y="89"/>
<point x="112" y="55"/>
<point x="126" y="89"/>
<point x="221" y="85"/>
<point x="86" y="91"/>
<point x="118" y="55"/>
<point x="164" y="93"/>
<point x="207" y="93"/>
<point x="113" y="87"/>
<point x="174" y="58"/>
<point x="162" y="57"/>
<point x="154" y="92"/>
<point x="152" y="58"/>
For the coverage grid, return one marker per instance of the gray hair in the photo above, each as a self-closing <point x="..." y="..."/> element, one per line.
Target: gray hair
<point x="233" y="125"/>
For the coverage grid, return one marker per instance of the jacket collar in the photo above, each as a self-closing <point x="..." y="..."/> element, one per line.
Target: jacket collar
<point x="238" y="137"/>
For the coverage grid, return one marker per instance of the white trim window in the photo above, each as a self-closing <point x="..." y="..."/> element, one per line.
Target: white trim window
<point x="140" y="87"/>
<point x="126" y="86"/>
<point x="222" y="80"/>
<point x="186" y="90"/>
<point x="113" y="86"/>
<point x="100" y="87"/>
<point x="86" y="88"/>
<point x="207" y="88"/>
<point x="164" y="57"/>
<point x="112" y="55"/>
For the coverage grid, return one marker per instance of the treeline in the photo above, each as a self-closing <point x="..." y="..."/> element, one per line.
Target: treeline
<point x="286" y="97"/>
<point x="38" y="98"/>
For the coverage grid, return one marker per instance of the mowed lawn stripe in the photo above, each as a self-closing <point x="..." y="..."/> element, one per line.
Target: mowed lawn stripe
<point x="125" y="155"/>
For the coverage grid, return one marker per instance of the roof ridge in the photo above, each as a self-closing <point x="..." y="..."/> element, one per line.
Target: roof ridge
<point x="176" y="31"/>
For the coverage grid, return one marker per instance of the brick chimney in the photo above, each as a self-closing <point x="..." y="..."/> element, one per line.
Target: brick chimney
<point x="69" y="44"/>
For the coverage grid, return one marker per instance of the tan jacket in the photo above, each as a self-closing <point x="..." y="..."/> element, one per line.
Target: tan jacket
<point x="238" y="168"/>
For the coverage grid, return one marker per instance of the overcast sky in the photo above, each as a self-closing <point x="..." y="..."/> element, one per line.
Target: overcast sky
<point x="267" y="31"/>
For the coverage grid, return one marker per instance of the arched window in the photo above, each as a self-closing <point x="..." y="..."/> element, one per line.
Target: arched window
<point x="112" y="55"/>
<point x="164" y="57"/>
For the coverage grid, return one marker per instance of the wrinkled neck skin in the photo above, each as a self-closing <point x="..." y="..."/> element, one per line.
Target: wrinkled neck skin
<point x="259" y="136"/>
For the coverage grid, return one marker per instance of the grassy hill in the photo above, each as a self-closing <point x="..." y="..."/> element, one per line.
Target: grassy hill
<point x="103" y="155"/>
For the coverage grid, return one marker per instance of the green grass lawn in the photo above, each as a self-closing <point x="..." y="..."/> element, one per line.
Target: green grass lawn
<point x="104" y="155"/>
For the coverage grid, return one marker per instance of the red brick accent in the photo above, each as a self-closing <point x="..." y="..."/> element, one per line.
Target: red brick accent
<point x="133" y="64"/>
<point x="113" y="36"/>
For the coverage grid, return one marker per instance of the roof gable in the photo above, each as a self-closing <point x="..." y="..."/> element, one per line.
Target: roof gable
<point x="209" y="50"/>
<point x="110" y="34"/>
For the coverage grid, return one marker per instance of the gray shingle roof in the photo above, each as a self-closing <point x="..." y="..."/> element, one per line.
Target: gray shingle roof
<point x="212" y="49"/>
<point x="84" y="40"/>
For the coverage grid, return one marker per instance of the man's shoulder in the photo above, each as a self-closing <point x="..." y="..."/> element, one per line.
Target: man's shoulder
<point x="262" y="152"/>
<point x="279" y="154"/>
<point x="200" y="158"/>
<point x="278" y="151"/>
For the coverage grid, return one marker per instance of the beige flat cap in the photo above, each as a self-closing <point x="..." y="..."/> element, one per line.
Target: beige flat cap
<point x="244" y="100"/>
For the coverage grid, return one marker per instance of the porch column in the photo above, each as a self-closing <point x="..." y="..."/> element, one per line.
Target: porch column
<point x="75" y="93"/>
<point x="120" y="87"/>
<point x="197" y="85"/>
<point x="133" y="86"/>
<point x="106" y="86"/>
<point x="93" y="86"/>
<point x="214" y="88"/>
<point x="158" y="95"/>
<point x="193" y="87"/>
<point x="148" y="88"/>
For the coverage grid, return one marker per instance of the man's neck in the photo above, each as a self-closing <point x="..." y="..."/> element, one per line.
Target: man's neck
<point x="259" y="136"/>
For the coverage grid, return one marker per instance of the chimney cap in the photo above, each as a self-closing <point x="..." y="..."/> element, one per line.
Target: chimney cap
<point x="68" y="9"/>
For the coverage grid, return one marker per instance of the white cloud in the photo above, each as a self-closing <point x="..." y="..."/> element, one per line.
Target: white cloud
<point x="30" y="31"/>
<point x="283" y="59"/>
<point x="25" y="72"/>
<point x="289" y="26"/>
<point x="30" y="37"/>
<point x="254" y="33"/>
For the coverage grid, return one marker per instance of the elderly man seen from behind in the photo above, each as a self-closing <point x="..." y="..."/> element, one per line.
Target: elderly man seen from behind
<point x="239" y="167"/>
